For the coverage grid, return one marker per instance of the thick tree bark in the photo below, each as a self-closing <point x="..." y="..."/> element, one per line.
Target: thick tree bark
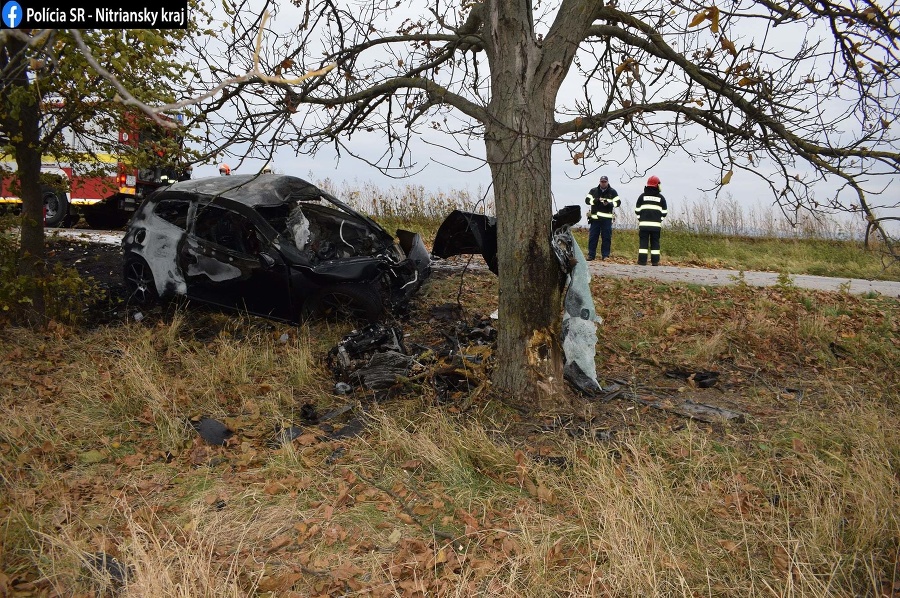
<point x="518" y="144"/>
<point x="530" y="311"/>
<point x="21" y="111"/>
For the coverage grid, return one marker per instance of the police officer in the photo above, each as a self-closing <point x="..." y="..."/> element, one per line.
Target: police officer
<point x="650" y="208"/>
<point x="602" y="199"/>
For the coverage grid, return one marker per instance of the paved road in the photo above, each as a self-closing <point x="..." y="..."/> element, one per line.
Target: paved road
<point x="717" y="277"/>
<point x="701" y="276"/>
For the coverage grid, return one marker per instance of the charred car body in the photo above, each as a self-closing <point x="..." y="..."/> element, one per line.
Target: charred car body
<point x="271" y="245"/>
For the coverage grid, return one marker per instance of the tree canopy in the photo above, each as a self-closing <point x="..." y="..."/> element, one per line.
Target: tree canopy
<point x="773" y="85"/>
<point x="794" y="93"/>
<point x="57" y="102"/>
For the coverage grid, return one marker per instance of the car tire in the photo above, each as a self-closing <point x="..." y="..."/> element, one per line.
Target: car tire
<point x="140" y="287"/>
<point x="357" y="302"/>
<point x="56" y="205"/>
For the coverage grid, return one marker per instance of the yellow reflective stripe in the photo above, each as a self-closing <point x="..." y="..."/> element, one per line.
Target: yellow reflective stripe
<point x="84" y="159"/>
<point x="640" y="251"/>
<point x="653" y="207"/>
<point x="650" y="224"/>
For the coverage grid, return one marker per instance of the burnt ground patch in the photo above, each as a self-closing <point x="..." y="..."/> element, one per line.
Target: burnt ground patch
<point x="98" y="264"/>
<point x="98" y="261"/>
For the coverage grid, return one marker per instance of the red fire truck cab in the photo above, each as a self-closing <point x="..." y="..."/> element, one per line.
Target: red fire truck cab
<point x="104" y="186"/>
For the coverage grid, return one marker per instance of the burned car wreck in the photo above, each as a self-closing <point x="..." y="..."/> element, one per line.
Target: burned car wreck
<point x="470" y="233"/>
<point x="271" y="245"/>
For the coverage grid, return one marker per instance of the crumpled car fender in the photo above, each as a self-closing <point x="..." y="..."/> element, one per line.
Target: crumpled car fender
<point x="414" y="247"/>
<point x="354" y="269"/>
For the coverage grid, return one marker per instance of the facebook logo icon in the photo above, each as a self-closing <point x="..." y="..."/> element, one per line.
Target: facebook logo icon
<point x="12" y="14"/>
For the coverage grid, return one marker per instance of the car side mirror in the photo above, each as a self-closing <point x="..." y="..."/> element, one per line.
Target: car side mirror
<point x="266" y="260"/>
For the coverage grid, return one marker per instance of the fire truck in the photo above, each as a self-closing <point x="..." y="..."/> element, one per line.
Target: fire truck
<point x="105" y="186"/>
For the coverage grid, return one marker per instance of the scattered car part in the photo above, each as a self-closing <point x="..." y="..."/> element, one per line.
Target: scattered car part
<point x="701" y="379"/>
<point x="107" y="565"/>
<point x="579" y="326"/>
<point x="212" y="431"/>
<point x="465" y="233"/>
<point x="372" y="357"/>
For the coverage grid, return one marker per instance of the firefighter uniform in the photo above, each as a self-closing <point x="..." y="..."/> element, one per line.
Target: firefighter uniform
<point x="650" y="208"/>
<point x="602" y="199"/>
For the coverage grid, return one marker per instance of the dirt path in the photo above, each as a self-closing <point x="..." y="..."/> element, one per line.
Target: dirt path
<point x="701" y="276"/>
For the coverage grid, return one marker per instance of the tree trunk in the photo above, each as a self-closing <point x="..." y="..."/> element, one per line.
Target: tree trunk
<point x="518" y="144"/>
<point x="21" y="113"/>
<point x="529" y="352"/>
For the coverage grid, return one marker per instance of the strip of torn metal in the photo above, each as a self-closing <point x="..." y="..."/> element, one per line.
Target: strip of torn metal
<point x="414" y="248"/>
<point x="579" y="327"/>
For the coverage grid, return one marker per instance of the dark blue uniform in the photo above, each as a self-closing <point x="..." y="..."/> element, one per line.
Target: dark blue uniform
<point x="602" y="202"/>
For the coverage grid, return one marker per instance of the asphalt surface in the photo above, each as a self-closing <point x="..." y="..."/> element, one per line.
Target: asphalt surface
<point x="716" y="277"/>
<point x="700" y="276"/>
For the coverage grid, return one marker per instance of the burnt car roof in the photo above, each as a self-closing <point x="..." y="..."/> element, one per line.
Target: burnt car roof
<point x="252" y="189"/>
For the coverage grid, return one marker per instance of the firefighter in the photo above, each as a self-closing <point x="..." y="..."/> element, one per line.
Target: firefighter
<point x="602" y="199"/>
<point x="650" y="208"/>
<point x="224" y="170"/>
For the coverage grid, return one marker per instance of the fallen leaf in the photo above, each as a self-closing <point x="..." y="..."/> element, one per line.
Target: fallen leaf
<point x="728" y="545"/>
<point x="91" y="457"/>
<point x="279" y="542"/>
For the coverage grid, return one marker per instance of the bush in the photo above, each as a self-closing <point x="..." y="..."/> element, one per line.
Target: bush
<point x="64" y="291"/>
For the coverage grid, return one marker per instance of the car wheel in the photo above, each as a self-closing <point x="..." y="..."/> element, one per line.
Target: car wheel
<point x="140" y="288"/>
<point x="57" y="207"/>
<point x="346" y="302"/>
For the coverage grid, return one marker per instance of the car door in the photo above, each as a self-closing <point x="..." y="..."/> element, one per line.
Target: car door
<point x="222" y="264"/>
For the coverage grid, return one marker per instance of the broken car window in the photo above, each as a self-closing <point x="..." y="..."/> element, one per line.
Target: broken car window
<point x="228" y="229"/>
<point x="174" y="211"/>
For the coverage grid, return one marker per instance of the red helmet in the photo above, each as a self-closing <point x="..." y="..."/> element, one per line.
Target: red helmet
<point x="224" y="169"/>
<point x="653" y="181"/>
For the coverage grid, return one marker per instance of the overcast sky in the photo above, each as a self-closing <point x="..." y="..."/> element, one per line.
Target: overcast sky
<point x="439" y="170"/>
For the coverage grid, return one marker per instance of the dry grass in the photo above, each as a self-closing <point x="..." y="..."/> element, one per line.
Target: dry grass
<point x="465" y="497"/>
<point x="462" y="497"/>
